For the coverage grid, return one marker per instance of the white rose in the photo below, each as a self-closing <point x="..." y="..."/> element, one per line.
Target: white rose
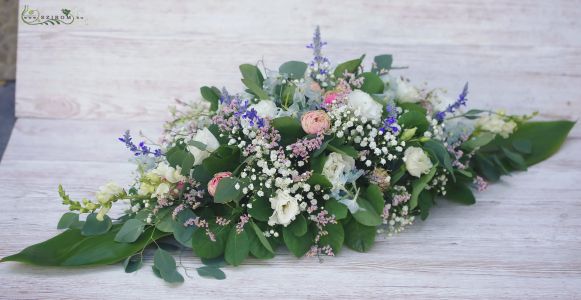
<point x="265" y="109"/>
<point x="170" y="174"/>
<point x="416" y="161"/>
<point x="285" y="207"/>
<point x="107" y="192"/>
<point x="496" y="124"/>
<point x="360" y="101"/>
<point x="206" y="137"/>
<point x="406" y="92"/>
<point x="337" y="167"/>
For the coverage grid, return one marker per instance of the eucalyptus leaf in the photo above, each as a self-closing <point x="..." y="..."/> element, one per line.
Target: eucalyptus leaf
<point x="211" y="272"/>
<point x="93" y="226"/>
<point x="68" y="220"/>
<point x="294" y="69"/>
<point x="237" y="247"/>
<point x="227" y="190"/>
<point x="133" y="263"/>
<point x="349" y="66"/>
<point x="372" y="84"/>
<point x="166" y="265"/>
<point x="130" y="231"/>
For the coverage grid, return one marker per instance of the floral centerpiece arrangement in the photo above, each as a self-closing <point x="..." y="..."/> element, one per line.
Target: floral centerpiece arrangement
<point x="311" y="156"/>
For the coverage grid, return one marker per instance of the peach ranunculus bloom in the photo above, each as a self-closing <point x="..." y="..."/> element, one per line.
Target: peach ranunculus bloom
<point x="213" y="184"/>
<point x="316" y="122"/>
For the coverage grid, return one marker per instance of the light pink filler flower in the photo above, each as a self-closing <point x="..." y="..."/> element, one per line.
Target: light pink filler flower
<point x="214" y="182"/>
<point x="315" y="122"/>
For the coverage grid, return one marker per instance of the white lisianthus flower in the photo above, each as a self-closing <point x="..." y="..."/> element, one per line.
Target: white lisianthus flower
<point x="265" y="109"/>
<point x="337" y="167"/>
<point x="162" y="190"/>
<point x="362" y="102"/>
<point x="416" y="161"/>
<point x="286" y="208"/>
<point x="496" y="124"/>
<point x="406" y="92"/>
<point x="170" y="174"/>
<point x="107" y="192"/>
<point x="206" y="137"/>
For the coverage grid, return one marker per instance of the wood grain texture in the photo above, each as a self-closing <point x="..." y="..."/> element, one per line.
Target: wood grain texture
<point x="521" y="239"/>
<point x="122" y="66"/>
<point x="130" y="60"/>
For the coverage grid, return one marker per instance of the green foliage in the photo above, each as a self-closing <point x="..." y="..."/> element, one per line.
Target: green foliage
<point x="478" y="141"/>
<point x="71" y="248"/>
<point x="375" y="197"/>
<point x="425" y="202"/>
<point x="260" y="209"/>
<point x="299" y="226"/>
<point x="441" y="154"/>
<point x="183" y="234"/>
<point x="225" y="158"/>
<point x="337" y="209"/>
<point x="367" y="215"/>
<point x="237" y="247"/>
<point x="298" y="245"/>
<point x="133" y="263"/>
<point x="372" y="84"/>
<point x="293" y="69"/>
<point x="180" y="156"/>
<point x="419" y="185"/>
<point x="289" y="128"/>
<point x="335" y="237"/>
<point x="166" y="266"/>
<point x="130" y="231"/>
<point x="383" y="63"/>
<point x="211" y="272"/>
<point x="459" y="192"/>
<point x="253" y="80"/>
<point x="93" y="226"/>
<point x="226" y="190"/>
<point x="358" y="236"/>
<point x="350" y="66"/>
<point x="338" y="146"/>
<point x="319" y="179"/>
<point x="413" y="119"/>
<point x="204" y="247"/>
<point x="68" y="220"/>
<point x="212" y="95"/>
<point x="261" y="238"/>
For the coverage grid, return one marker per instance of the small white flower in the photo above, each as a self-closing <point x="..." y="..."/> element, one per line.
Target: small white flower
<point x="416" y="161"/>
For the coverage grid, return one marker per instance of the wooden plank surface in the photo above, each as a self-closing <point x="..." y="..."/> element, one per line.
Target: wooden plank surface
<point x="130" y="60"/>
<point x="521" y="239"/>
<point x="122" y="66"/>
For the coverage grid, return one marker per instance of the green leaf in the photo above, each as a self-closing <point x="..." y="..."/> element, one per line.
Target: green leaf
<point x="252" y="73"/>
<point x="516" y="159"/>
<point x="349" y="66"/>
<point x="372" y="84"/>
<point x="166" y="265"/>
<point x="374" y="195"/>
<point x="344" y="149"/>
<point x="383" y="63"/>
<point x="255" y="89"/>
<point x="441" y="154"/>
<point x="204" y="247"/>
<point x="226" y="190"/>
<point x="486" y="168"/>
<point x="335" y="237"/>
<point x="295" y="69"/>
<point x="299" y="226"/>
<point x="95" y="227"/>
<point x="419" y="185"/>
<point x="335" y="208"/>
<point x="133" y="263"/>
<point x="261" y="238"/>
<point x="211" y="95"/>
<point x="359" y="237"/>
<point x="523" y="146"/>
<point x="179" y="156"/>
<point x="289" y="128"/>
<point x="459" y="192"/>
<point x="297" y="245"/>
<point x="260" y="209"/>
<point x="367" y="215"/>
<point x="319" y="179"/>
<point x="412" y="107"/>
<point x="68" y="220"/>
<point x="425" y="202"/>
<point x="183" y="234"/>
<point x="225" y="158"/>
<point x="71" y="248"/>
<point x="413" y="119"/>
<point x="237" y="247"/>
<point x="130" y="231"/>
<point x="257" y="249"/>
<point x="478" y="141"/>
<point x="211" y="272"/>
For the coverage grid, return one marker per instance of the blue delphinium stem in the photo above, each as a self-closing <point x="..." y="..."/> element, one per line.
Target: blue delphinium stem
<point x="140" y="149"/>
<point x="391" y="121"/>
<point x="462" y="98"/>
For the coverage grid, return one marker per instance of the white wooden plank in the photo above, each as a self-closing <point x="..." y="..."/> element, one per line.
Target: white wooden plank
<point x="129" y="60"/>
<point x="520" y="239"/>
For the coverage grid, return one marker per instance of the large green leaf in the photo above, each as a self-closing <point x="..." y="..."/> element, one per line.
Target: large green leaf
<point x="226" y="190"/>
<point x="383" y="63"/>
<point x="297" y="245"/>
<point x="350" y="66"/>
<point x="130" y="231"/>
<point x="212" y="95"/>
<point x="71" y="248"/>
<point x="366" y="215"/>
<point x="419" y="185"/>
<point x="335" y="208"/>
<point x="441" y="154"/>
<point x="359" y="237"/>
<point x="372" y="84"/>
<point x="289" y="128"/>
<point x="459" y="192"/>
<point x="93" y="226"/>
<point x="335" y="237"/>
<point x="165" y="264"/>
<point x="293" y="69"/>
<point x="260" y="209"/>
<point x="413" y="119"/>
<point x="237" y="247"/>
<point x="204" y="246"/>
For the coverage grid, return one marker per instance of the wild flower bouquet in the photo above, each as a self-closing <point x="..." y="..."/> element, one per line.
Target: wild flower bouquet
<point x="309" y="156"/>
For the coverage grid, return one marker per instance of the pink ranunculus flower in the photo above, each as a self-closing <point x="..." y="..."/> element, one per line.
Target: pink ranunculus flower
<point x="213" y="184"/>
<point x="316" y="122"/>
<point x="330" y="97"/>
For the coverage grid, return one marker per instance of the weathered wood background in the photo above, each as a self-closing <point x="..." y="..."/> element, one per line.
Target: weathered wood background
<point x="80" y="86"/>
